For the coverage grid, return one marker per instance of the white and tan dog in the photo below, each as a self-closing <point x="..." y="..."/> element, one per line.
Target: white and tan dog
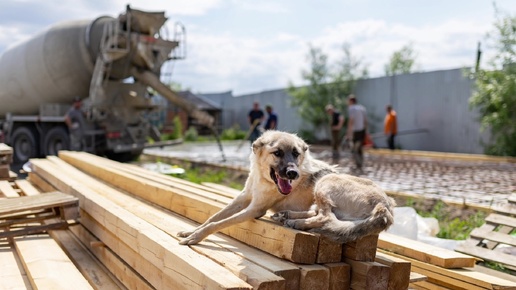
<point x="305" y="193"/>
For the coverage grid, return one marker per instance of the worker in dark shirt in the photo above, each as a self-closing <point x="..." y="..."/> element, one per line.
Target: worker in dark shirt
<point x="255" y="118"/>
<point x="336" y="123"/>
<point x="272" y="120"/>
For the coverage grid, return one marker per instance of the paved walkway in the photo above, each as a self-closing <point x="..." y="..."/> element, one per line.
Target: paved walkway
<point x="483" y="182"/>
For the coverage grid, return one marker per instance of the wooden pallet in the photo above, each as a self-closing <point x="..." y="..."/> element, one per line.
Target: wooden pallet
<point x="493" y="240"/>
<point x="29" y="215"/>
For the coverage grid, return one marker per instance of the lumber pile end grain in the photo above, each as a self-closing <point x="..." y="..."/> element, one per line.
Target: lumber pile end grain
<point x="399" y="270"/>
<point x="363" y="249"/>
<point x="425" y="252"/>
<point x="6" y="158"/>
<point x="368" y="275"/>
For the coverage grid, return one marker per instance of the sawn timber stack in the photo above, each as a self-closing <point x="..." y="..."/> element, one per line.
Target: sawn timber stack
<point x="126" y="211"/>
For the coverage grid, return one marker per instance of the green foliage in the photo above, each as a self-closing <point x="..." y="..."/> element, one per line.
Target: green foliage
<point x="453" y="228"/>
<point x="327" y="84"/>
<point x="215" y="176"/>
<point x="177" y="133"/>
<point x="401" y="61"/>
<point x="233" y="133"/>
<point x="495" y="95"/>
<point x="191" y="134"/>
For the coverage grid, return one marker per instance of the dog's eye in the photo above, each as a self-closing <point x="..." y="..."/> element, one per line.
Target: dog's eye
<point x="295" y="153"/>
<point x="278" y="153"/>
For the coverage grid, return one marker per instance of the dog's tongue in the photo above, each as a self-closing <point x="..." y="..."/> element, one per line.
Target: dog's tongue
<point x="284" y="185"/>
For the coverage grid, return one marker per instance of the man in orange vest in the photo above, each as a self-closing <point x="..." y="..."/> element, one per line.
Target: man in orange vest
<point x="390" y="126"/>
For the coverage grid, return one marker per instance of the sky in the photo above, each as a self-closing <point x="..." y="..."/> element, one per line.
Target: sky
<point x="250" y="46"/>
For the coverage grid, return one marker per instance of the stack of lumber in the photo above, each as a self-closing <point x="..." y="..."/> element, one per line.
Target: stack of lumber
<point x="493" y="240"/>
<point x="444" y="269"/>
<point x="6" y="158"/>
<point x="135" y="215"/>
<point x="130" y="218"/>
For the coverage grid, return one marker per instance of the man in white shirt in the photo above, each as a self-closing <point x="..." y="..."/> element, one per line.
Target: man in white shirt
<point x="356" y="132"/>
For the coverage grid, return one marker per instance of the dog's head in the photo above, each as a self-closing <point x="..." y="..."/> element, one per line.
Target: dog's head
<point x="279" y="156"/>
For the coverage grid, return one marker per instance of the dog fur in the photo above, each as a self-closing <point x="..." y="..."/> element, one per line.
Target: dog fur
<point x="305" y="193"/>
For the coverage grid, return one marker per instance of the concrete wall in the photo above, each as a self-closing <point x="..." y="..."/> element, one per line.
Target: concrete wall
<point x="436" y="101"/>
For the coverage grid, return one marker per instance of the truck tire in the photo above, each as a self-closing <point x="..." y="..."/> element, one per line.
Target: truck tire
<point x="23" y="141"/>
<point x="123" y="156"/>
<point x="56" y="139"/>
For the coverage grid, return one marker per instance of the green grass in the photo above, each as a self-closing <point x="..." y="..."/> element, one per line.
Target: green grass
<point x="198" y="176"/>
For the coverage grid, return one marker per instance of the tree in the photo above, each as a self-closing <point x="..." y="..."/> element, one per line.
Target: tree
<point x="401" y="61"/>
<point x="495" y="94"/>
<point x="326" y="84"/>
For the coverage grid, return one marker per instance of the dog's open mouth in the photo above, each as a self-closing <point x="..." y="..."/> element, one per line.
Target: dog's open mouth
<point x="284" y="185"/>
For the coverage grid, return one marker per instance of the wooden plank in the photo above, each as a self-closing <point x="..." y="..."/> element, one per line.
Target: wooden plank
<point x="424" y="252"/>
<point x="446" y="281"/>
<point x="7" y="190"/>
<point x="96" y="274"/>
<point x="416" y="277"/>
<point x="120" y="269"/>
<point x="297" y="246"/>
<point x="41" y="184"/>
<point x="223" y="188"/>
<point x="41" y="257"/>
<point x="509" y="208"/>
<point x="314" y="277"/>
<point x="11" y="275"/>
<point x="340" y="276"/>
<point x="181" y="267"/>
<point x="495" y="273"/>
<point x="368" y="275"/>
<point x="465" y="275"/>
<point x="5" y="149"/>
<point x="499" y="219"/>
<point x="425" y="285"/>
<point x="487" y="254"/>
<point x="26" y="188"/>
<point x="487" y="234"/>
<point x="249" y="271"/>
<point x="399" y="270"/>
<point x="41" y="201"/>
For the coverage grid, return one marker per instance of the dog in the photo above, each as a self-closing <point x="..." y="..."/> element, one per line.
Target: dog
<point x="303" y="192"/>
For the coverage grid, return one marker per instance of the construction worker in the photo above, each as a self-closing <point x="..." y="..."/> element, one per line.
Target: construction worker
<point x="272" y="120"/>
<point x="390" y="126"/>
<point x="356" y="131"/>
<point x="74" y="119"/>
<point x="336" y="123"/>
<point x="255" y="118"/>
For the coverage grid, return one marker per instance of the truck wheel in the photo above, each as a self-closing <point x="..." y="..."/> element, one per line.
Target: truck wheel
<point x="56" y="139"/>
<point x="24" y="145"/>
<point x="123" y="156"/>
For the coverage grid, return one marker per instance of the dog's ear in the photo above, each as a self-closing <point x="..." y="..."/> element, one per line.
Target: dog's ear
<point x="258" y="144"/>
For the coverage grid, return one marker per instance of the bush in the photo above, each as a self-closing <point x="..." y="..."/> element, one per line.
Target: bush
<point x="191" y="134"/>
<point x="233" y="133"/>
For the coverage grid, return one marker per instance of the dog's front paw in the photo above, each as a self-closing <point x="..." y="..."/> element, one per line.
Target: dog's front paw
<point x="190" y="240"/>
<point x="280" y="216"/>
<point x="184" y="234"/>
<point x="290" y="224"/>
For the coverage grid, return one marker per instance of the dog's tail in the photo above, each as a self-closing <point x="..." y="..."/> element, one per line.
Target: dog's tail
<point x="380" y="219"/>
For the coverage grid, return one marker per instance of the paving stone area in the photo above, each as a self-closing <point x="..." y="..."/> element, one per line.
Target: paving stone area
<point x="470" y="182"/>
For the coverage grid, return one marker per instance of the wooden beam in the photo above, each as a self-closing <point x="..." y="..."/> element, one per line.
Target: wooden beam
<point x="363" y="249"/>
<point x="399" y="275"/>
<point x="47" y="265"/>
<point x="184" y="268"/>
<point x="41" y="201"/>
<point x="424" y="252"/>
<point x="314" y="277"/>
<point x="11" y="275"/>
<point x="368" y="275"/>
<point x="466" y="275"/>
<point x="340" y="276"/>
<point x="41" y="184"/>
<point x="96" y="274"/>
<point x="297" y="246"/>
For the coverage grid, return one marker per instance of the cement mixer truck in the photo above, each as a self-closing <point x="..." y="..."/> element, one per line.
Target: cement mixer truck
<point x="111" y="63"/>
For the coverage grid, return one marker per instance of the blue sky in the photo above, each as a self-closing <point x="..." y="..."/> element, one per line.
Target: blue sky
<point x="249" y="46"/>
